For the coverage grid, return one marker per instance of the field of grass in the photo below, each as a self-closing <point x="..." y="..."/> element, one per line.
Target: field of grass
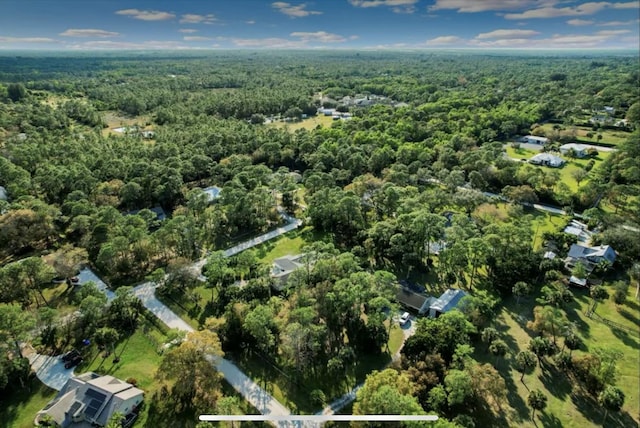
<point x="609" y="137"/>
<point x="543" y="222"/>
<point x="568" y="405"/>
<point x="19" y="409"/>
<point x="308" y="124"/>
<point x="291" y="243"/>
<point x="115" y="120"/>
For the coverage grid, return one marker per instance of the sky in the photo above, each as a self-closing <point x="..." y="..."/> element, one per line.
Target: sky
<point x="319" y="24"/>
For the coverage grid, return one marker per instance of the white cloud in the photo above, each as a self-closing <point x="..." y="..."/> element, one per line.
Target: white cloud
<point x="508" y="34"/>
<point x="472" y="6"/>
<point x="88" y="32"/>
<point x="556" y="41"/>
<point x="27" y="40"/>
<point x="250" y="22"/>
<point x="192" y="18"/>
<point x="550" y="11"/>
<point x="618" y="23"/>
<point x="269" y="42"/>
<point x="110" y="44"/>
<point x="319" y="36"/>
<point x="146" y="15"/>
<point x="195" y="38"/>
<point x="188" y="30"/>
<point x="398" y="6"/>
<point x="294" y="11"/>
<point x="608" y="33"/>
<point x="444" y="40"/>
<point x="580" y="22"/>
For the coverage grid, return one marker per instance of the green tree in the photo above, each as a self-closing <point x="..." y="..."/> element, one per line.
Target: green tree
<point x="489" y="334"/>
<point x="521" y="289"/>
<point x="537" y="401"/>
<point x="498" y="348"/>
<point x="386" y="393"/>
<point x="459" y="387"/>
<point x="15" y="325"/>
<point x="16" y="91"/>
<point x="612" y="399"/>
<point x="525" y="360"/>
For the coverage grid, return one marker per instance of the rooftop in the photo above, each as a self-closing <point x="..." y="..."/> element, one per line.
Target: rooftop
<point x="448" y="300"/>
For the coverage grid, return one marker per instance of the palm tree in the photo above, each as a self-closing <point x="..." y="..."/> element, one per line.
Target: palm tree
<point x="612" y="399"/>
<point x="537" y="401"/>
<point x="525" y="360"/>
<point x="499" y="349"/>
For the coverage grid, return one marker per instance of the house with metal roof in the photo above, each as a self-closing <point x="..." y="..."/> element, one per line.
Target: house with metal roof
<point x="92" y="399"/>
<point x="532" y="139"/>
<point x="213" y="193"/>
<point x="447" y="302"/>
<point x="547" y="159"/>
<point x="580" y="150"/>
<point x="589" y="256"/>
<point x="417" y="302"/>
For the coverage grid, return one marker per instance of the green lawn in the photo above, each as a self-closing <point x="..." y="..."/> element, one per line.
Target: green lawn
<point x="544" y="222"/>
<point x="308" y="124"/>
<point x="291" y="243"/>
<point x="520" y="153"/>
<point x="609" y="137"/>
<point x="568" y="405"/>
<point x="19" y="409"/>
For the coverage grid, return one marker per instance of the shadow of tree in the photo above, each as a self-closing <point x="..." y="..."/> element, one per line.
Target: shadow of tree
<point x="549" y="420"/>
<point x="555" y="381"/>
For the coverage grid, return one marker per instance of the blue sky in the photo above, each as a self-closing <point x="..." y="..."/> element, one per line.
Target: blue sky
<point x="325" y="24"/>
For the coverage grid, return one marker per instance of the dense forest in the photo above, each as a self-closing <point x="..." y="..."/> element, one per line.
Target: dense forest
<point x="92" y="148"/>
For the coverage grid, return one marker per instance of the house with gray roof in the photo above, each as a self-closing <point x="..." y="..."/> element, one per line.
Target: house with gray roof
<point x="283" y="267"/>
<point x="417" y="302"/>
<point x="589" y="256"/>
<point x="92" y="399"/>
<point x="547" y="159"/>
<point x="580" y="150"/>
<point x="447" y="302"/>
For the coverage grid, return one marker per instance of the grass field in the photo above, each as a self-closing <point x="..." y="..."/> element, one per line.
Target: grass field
<point x="610" y="137"/>
<point x="20" y="408"/>
<point x="568" y="405"/>
<point x="308" y="124"/>
<point x="114" y="120"/>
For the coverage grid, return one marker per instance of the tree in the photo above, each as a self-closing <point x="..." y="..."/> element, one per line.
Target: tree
<point x="621" y="289"/>
<point x="67" y="261"/>
<point x="116" y="420"/>
<point x="547" y="319"/>
<point x="16" y="91"/>
<point x="489" y="334"/>
<point x="386" y="393"/>
<point x="216" y="270"/>
<point x="634" y="271"/>
<point x="229" y="406"/>
<point x="15" y="325"/>
<point x="579" y="175"/>
<point x="487" y="383"/>
<point x="458" y="386"/>
<point x="525" y="360"/>
<point x="106" y="337"/>
<point x="537" y="401"/>
<point x="438" y="398"/>
<point x="612" y="399"/>
<point x="498" y="348"/>
<point x="196" y="382"/>
<point x="521" y="289"/>
<point x="541" y="347"/>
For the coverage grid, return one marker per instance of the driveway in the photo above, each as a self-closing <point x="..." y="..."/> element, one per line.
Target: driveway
<point x="87" y="275"/>
<point x="49" y="369"/>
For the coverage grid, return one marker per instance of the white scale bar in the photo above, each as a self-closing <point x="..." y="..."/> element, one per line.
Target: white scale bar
<point x="317" y="418"/>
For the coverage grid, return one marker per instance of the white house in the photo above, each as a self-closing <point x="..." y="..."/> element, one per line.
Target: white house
<point x="579" y="149"/>
<point x="532" y="139"/>
<point x="448" y="301"/>
<point x="91" y="399"/>
<point x="547" y="159"/>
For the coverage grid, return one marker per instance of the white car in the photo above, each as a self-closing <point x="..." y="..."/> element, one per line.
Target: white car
<point x="404" y="318"/>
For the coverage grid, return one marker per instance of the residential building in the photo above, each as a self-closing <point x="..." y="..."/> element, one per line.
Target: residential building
<point x="417" y="302"/>
<point x="580" y="150"/>
<point x="547" y="159"/>
<point x="283" y="267"/>
<point x="579" y="230"/>
<point x="532" y="139"/>
<point x="589" y="256"/>
<point x="447" y="302"/>
<point x="92" y="399"/>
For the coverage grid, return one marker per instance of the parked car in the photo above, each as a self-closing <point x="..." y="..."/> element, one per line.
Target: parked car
<point x="70" y="355"/>
<point x="73" y="362"/>
<point x="404" y="318"/>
